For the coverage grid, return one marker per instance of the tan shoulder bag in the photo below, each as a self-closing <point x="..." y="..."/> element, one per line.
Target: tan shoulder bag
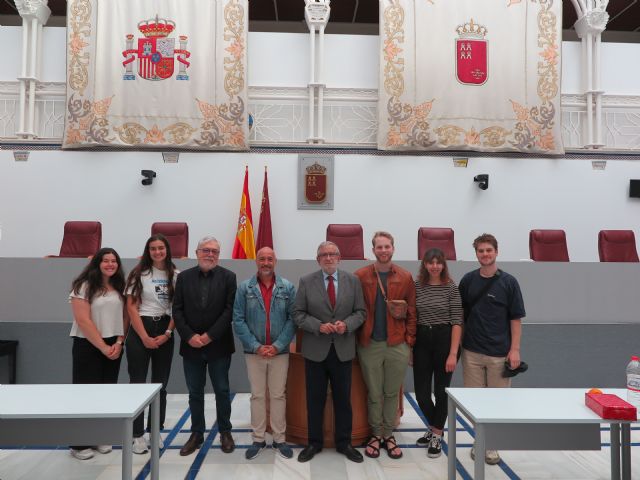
<point x="397" y="308"/>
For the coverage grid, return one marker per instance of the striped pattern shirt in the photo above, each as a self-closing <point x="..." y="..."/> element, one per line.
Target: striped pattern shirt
<point x="438" y="304"/>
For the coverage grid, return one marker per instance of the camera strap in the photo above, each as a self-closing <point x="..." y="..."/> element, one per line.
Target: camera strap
<point x="469" y="306"/>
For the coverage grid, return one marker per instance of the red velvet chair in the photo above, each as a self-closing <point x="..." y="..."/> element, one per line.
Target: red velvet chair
<point x="348" y="237"/>
<point x="617" y="246"/>
<point x="442" y="238"/>
<point x="81" y="239"/>
<point x="177" y="234"/>
<point x="548" y="246"/>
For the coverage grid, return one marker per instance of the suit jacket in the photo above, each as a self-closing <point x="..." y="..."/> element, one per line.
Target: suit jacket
<point x="312" y="308"/>
<point x="214" y="318"/>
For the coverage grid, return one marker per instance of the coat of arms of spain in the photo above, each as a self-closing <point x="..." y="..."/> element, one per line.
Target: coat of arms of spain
<point x="156" y="52"/>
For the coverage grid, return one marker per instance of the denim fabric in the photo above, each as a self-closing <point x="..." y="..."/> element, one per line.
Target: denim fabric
<point x="249" y="315"/>
<point x="195" y="374"/>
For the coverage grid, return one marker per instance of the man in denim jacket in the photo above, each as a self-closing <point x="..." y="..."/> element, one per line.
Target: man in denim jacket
<point x="262" y="322"/>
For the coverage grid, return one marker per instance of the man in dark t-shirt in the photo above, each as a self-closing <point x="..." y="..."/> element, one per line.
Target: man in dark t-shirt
<point x="493" y="308"/>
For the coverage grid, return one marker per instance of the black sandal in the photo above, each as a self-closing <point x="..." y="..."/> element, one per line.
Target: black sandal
<point x="370" y="445"/>
<point x="391" y="445"/>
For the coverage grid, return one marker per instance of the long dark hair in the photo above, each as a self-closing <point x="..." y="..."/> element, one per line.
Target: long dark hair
<point x="146" y="264"/>
<point x="92" y="276"/>
<point x="429" y="256"/>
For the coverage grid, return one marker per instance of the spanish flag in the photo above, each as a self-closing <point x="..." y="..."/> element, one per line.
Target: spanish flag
<point x="244" y="246"/>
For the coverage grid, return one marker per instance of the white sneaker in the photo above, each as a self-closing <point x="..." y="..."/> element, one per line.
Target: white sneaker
<point x="491" y="457"/>
<point x="147" y="438"/>
<point x="84" y="454"/>
<point x="140" y="445"/>
<point x="103" y="448"/>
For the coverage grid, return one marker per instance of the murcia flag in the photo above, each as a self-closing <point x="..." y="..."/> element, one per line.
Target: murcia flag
<point x="265" y="236"/>
<point x="470" y="75"/>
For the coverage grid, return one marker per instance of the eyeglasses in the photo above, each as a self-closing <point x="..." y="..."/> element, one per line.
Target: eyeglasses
<point x="209" y="251"/>
<point x="328" y="255"/>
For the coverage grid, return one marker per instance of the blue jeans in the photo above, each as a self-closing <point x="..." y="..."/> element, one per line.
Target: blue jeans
<point x="195" y="374"/>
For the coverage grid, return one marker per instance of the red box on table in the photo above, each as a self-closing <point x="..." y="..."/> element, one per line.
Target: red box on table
<point x="610" y="406"/>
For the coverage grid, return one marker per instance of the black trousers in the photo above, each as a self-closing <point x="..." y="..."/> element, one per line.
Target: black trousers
<point x="91" y="366"/>
<point x="318" y="375"/>
<point x="138" y="358"/>
<point x="430" y="354"/>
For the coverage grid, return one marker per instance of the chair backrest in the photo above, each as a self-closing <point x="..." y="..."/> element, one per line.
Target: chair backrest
<point x="548" y="246"/>
<point x="177" y="234"/>
<point x="617" y="246"/>
<point x="348" y="237"/>
<point x="81" y="239"/>
<point x="442" y="238"/>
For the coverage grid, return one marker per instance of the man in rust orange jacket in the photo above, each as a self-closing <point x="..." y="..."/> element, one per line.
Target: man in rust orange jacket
<point x="385" y="340"/>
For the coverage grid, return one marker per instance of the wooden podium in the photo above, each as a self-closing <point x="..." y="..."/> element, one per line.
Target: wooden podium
<point x="297" y="431"/>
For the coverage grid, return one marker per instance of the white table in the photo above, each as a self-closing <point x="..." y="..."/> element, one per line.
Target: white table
<point x="80" y="415"/>
<point x="535" y="419"/>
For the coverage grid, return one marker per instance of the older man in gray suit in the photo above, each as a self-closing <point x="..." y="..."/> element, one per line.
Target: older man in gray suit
<point x="329" y="308"/>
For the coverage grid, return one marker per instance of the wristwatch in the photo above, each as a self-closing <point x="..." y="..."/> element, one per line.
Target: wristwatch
<point x="168" y="333"/>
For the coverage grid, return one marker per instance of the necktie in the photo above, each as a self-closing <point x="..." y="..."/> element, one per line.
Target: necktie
<point x="331" y="291"/>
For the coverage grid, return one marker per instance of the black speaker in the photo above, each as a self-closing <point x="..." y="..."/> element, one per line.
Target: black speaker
<point x="634" y="188"/>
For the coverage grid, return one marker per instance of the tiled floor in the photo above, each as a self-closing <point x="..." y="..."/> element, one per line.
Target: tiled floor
<point x="43" y="464"/>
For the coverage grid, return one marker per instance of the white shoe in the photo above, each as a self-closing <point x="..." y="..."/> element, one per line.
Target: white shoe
<point x="103" y="448"/>
<point x="84" y="454"/>
<point x="491" y="457"/>
<point x="148" y="440"/>
<point x="140" y="445"/>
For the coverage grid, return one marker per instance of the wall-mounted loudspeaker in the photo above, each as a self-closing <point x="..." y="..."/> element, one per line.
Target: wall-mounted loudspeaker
<point x="634" y="188"/>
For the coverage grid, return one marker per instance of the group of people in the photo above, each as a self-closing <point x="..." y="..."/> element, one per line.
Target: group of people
<point x="379" y="313"/>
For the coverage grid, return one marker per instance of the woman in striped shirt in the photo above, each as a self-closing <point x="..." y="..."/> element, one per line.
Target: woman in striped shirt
<point x="437" y="346"/>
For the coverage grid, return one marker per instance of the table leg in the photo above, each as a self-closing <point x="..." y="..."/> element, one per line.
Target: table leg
<point x="480" y="445"/>
<point x="127" y="449"/>
<point x="615" y="451"/>
<point x="451" y="439"/>
<point x="155" y="437"/>
<point x="626" y="451"/>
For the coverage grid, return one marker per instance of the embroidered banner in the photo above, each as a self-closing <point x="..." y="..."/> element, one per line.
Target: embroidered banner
<point x="157" y="74"/>
<point x="470" y="75"/>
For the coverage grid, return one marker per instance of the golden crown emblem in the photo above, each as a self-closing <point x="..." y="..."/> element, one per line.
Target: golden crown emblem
<point x="471" y="30"/>
<point x="158" y="27"/>
<point x="316" y="169"/>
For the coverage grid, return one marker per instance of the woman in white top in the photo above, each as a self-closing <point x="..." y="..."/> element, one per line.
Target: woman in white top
<point x="150" y="290"/>
<point x="99" y="323"/>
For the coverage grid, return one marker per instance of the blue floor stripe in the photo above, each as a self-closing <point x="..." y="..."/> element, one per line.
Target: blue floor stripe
<point x="445" y="447"/>
<point x="204" y="449"/>
<point x="167" y="442"/>
<point x="505" y="468"/>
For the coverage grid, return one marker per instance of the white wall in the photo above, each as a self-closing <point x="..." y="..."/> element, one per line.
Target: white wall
<point x="397" y="193"/>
